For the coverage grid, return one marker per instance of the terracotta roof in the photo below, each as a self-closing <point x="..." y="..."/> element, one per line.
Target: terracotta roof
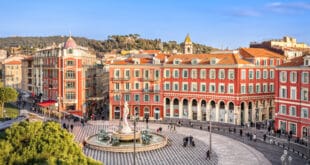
<point x="13" y="63"/>
<point x="258" y="52"/>
<point x="150" y="51"/>
<point x="298" y="61"/>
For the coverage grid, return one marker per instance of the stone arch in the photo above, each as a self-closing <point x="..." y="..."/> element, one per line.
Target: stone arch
<point x="212" y="109"/>
<point x="167" y="107"/>
<point x="117" y="113"/>
<point x="194" y="108"/>
<point x="185" y="107"/>
<point x="250" y="111"/>
<point x="146" y="112"/>
<point x="203" y="107"/>
<point x="176" y="107"/>
<point x="231" y="109"/>
<point x="222" y="111"/>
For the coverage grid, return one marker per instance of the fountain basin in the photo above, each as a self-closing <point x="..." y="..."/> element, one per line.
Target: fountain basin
<point x="127" y="137"/>
<point x="157" y="141"/>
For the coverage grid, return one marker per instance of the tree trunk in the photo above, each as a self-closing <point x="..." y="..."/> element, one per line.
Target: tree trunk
<point x="2" y="110"/>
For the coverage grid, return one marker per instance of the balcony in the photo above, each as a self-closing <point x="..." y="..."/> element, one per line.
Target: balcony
<point x="120" y="78"/>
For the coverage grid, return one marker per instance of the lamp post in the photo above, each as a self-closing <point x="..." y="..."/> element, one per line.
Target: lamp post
<point x="210" y="131"/>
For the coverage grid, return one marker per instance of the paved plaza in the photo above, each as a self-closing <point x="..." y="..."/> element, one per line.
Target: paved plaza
<point x="225" y="150"/>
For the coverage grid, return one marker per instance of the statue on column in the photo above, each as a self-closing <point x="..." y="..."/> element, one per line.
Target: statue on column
<point x="126" y="128"/>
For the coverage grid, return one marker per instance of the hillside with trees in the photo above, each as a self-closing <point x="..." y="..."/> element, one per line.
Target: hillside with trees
<point x="113" y="42"/>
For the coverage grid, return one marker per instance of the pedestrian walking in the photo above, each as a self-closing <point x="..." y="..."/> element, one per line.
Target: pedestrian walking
<point x="208" y="155"/>
<point x="71" y="127"/>
<point x="254" y="137"/>
<point x="174" y="128"/>
<point x="240" y="132"/>
<point x="265" y="136"/>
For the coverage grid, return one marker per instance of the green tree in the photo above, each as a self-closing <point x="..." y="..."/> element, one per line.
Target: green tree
<point x="40" y="143"/>
<point x="7" y="94"/>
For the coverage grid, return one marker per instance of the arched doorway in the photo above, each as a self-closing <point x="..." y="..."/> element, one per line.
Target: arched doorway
<point x="222" y="111"/>
<point x="176" y="107"/>
<point x="231" y="108"/>
<point x="213" y="110"/>
<point x="194" y="109"/>
<point x="203" y="110"/>
<point x="157" y="113"/>
<point x="167" y="107"/>
<point x="242" y="113"/>
<point x="250" y="109"/>
<point x="146" y="112"/>
<point x="185" y="108"/>
<point x="117" y="113"/>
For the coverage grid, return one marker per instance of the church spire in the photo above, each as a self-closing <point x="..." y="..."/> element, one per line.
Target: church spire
<point x="188" y="45"/>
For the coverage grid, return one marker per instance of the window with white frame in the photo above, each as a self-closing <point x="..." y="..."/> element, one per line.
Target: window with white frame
<point x="265" y="62"/>
<point x="251" y="90"/>
<point x="212" y="88"/>
<point x="185" y="73"/>
<point x="251" y="74"/>
<point x="257" y="88"/>
<point x="156" y="98"/>
<point x="283" y="92"/>
<point x="167" y="73"/>
<point x="293" y="77"/>
<point x="137" y="73"/>
<point x="283" y="76"/>
<point x="167" y="86"/>
<point x="278" y="61"/>
<point x="292" y="111"/>
<point x="293" y="93"/>
<point x="194" y="73"/>
<point x="265" y="88"/>
<point x="175" y="86"/>
<point x="293" y="128"/>
<point x="243" y="89"/>
<point x="127" y="73"/>
<point x="221" y="88"/>
<point x="283" y="109"/>
<point x="146" y="86"/>
<point x="116" y="97"/>
<point x="212" y="74"/>
<point x="271" y="73"/>
<point x="116" y="73"/>
<point x="271" y="62"/>
<point x="184" y="86"/>
<point x="175" y="73"/>
<point x="257" y="74"/>
<point x="194" y="87"/>
<point x="116" y="86"/>
<point x="203" y="87"/>
<point x="271" y="87"/>
<point x="231" y="74"/>
<point x="146" y="97"/>
<point x="137" y="97"/>
<point x="157" y="74"/>
<point x="265" y="74"/>
<point x="137" y="85"/>
<point x="127" y="86"/>
<point x="230" y="88"/>
<point x="146" y="74"/>
<point x="304" y="113"/>
<point x="243" y="74"/>
<point x="304" y="94"/>
<point x="257" y="62"/>
<point x="222" y="74"/>
<point x="127" y="97"/>
<point x="305" y="77"/>
<point x="203" y="73"/>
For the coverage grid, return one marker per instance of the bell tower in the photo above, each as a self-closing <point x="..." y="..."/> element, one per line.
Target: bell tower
<point x="188" y="45"/>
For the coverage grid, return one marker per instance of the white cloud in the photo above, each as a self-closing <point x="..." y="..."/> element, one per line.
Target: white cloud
<point x="290" y="7"/>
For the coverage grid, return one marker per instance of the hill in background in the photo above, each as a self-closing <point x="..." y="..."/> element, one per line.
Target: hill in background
<point x="114" y="42"/>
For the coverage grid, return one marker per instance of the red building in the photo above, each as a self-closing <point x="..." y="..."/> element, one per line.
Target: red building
<point x="235" y="86"/>
<point x="66" y="73"/>
<point x="292" y="96"/>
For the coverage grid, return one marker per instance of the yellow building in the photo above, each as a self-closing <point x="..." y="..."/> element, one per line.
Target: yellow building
<point x="287" y="42"/>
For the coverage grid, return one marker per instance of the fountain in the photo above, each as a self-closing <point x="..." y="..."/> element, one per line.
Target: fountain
<point x="123" y="139"/>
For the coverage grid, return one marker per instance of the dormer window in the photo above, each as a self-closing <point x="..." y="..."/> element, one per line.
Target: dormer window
<point x="176" y="61"/>
<point x="307" y="60"/>
<point x="213" y="61"/>
<point x="195" y="61"/>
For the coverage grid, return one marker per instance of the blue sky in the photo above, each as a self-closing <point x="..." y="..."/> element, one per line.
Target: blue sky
<point x="218" y="23"/>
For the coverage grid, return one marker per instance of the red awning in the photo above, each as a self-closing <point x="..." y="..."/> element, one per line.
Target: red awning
<point x="76" y="113"/>
<point x="47" y="103"/>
